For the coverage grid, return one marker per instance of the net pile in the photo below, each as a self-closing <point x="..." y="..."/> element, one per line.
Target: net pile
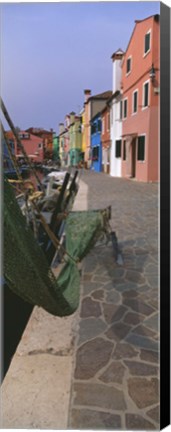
<point x="26" y="269"/>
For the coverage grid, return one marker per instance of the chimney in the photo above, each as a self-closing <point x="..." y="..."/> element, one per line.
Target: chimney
<point x="61" y="128"/>
<point x="72" y="117"/>
<point x="117" y="70"/>
<point x="87" y="94"/>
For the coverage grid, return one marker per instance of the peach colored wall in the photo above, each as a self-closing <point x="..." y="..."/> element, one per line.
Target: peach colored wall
<point x="145" y="121"/>
<point x="105" y="136"/>
<point x="153" y="152"/>
<point x="87" y="132"/>
<point x="140" y="63"/>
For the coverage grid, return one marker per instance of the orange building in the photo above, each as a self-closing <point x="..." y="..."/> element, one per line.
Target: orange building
<point x="140" y="102"/>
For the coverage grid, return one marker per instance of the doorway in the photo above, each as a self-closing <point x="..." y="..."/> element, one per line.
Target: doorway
<point x="133" y="158"/>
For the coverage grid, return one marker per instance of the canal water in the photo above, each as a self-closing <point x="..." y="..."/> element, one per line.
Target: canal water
<point x="15" y="315"/>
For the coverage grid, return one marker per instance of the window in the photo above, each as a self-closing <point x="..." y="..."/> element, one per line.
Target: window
<point x="121" y="109"/>
<point x="141" y="148"/>
<point x="128" y="65"/>
<point x="146" y="95"/>
<point x="147" y="43"/>
<point x="135" y="101"/>
<point x="40" y="145"/>
<point x="124" y="150"/>
<point x="99" y="125"/>
<point x="125" y="107"/>
<point x="95" y="153"/>
<point x="24" y="135"/>
<point x="93" y="128"/>
<point x="118" y="149"/>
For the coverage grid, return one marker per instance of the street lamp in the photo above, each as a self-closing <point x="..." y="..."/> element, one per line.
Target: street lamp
<point x="152" y="73"/>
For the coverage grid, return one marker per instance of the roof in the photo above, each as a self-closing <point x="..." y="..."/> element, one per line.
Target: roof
<point x="36" y="131"/>
<point x="32" y="137"/>
<point x="101" y="96"/>
<point x="114" y="95"/>
<point x="118" y="53"/>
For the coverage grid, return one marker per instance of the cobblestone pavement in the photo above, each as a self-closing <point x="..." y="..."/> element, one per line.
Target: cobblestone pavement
<point x="115" y="381"/>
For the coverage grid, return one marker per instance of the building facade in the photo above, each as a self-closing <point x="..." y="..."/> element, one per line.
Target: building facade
<point x="32" y="144"/>
<point x="55" y="155"/>
<point x="47" y="137"/>
<point x="92" y="105"/>
<point x="75" y="139"/>
<point x="140" y="102"/>
<point x="63" y="145"/>
<point x="96" y="143"/>
<point x="116" y="115"/>
<point x="105" y="138"/>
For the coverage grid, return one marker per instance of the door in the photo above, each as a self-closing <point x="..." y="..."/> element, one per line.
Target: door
<point x="133" y="161"/>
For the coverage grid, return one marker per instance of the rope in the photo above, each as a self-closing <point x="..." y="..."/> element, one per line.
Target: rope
<point x="50" y="233"/>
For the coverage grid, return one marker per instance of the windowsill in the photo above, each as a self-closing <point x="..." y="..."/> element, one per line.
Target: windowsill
<point x="134" y="113"/>
<point x="141" y="162"/>
<point x="145" y="107"/>
<point x="128" y="73"/>
<point x="145" y="54"/>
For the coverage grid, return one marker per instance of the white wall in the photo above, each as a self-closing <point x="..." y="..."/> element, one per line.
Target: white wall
<point x="116" y="74"/>
<point x="116" y="133"/>
<point x="116" y="124"/>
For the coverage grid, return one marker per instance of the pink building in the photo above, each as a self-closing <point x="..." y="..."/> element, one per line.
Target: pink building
<point x="140" y="102"/>
<point x="32" y="144"/>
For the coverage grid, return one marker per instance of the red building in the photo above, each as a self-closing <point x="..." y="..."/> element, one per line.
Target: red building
<point x="105" y="137"/>
<point x="47" y="137"/>
<point x="32" y="144"/>
<point x="140" y="102"/>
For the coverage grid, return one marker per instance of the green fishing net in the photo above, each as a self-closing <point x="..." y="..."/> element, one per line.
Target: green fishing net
<point x="26" y="270"/>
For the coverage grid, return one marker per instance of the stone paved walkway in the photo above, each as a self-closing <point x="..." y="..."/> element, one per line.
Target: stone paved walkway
<point x="115" y="382"/>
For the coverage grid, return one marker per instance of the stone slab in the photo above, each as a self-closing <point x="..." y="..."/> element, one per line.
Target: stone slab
<point x="47" y="333"/>
<point x="36" y="392"/>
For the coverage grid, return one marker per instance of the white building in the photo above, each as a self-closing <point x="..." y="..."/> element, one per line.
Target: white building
<point x="116" y="116"/>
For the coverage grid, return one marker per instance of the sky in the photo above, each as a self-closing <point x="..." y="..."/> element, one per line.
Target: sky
<point x="51" y="52"/>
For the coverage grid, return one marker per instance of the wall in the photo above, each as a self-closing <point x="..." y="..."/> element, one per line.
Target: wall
<point x="145" y="121"/>
<point x="116" y="132"/>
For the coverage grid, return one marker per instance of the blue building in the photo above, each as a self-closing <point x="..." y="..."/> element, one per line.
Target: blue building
<point x="96" y="144"/>
<point x="8" y="167"/>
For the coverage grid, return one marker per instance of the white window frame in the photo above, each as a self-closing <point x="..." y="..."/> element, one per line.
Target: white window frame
<point x="143" y="95"/>
<point x="129" y="58"/>
<point x="145" y="147"/>
<point x="123" y="117"/>
<point x="145" y="53"/>
<point x="134" y="112"/>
